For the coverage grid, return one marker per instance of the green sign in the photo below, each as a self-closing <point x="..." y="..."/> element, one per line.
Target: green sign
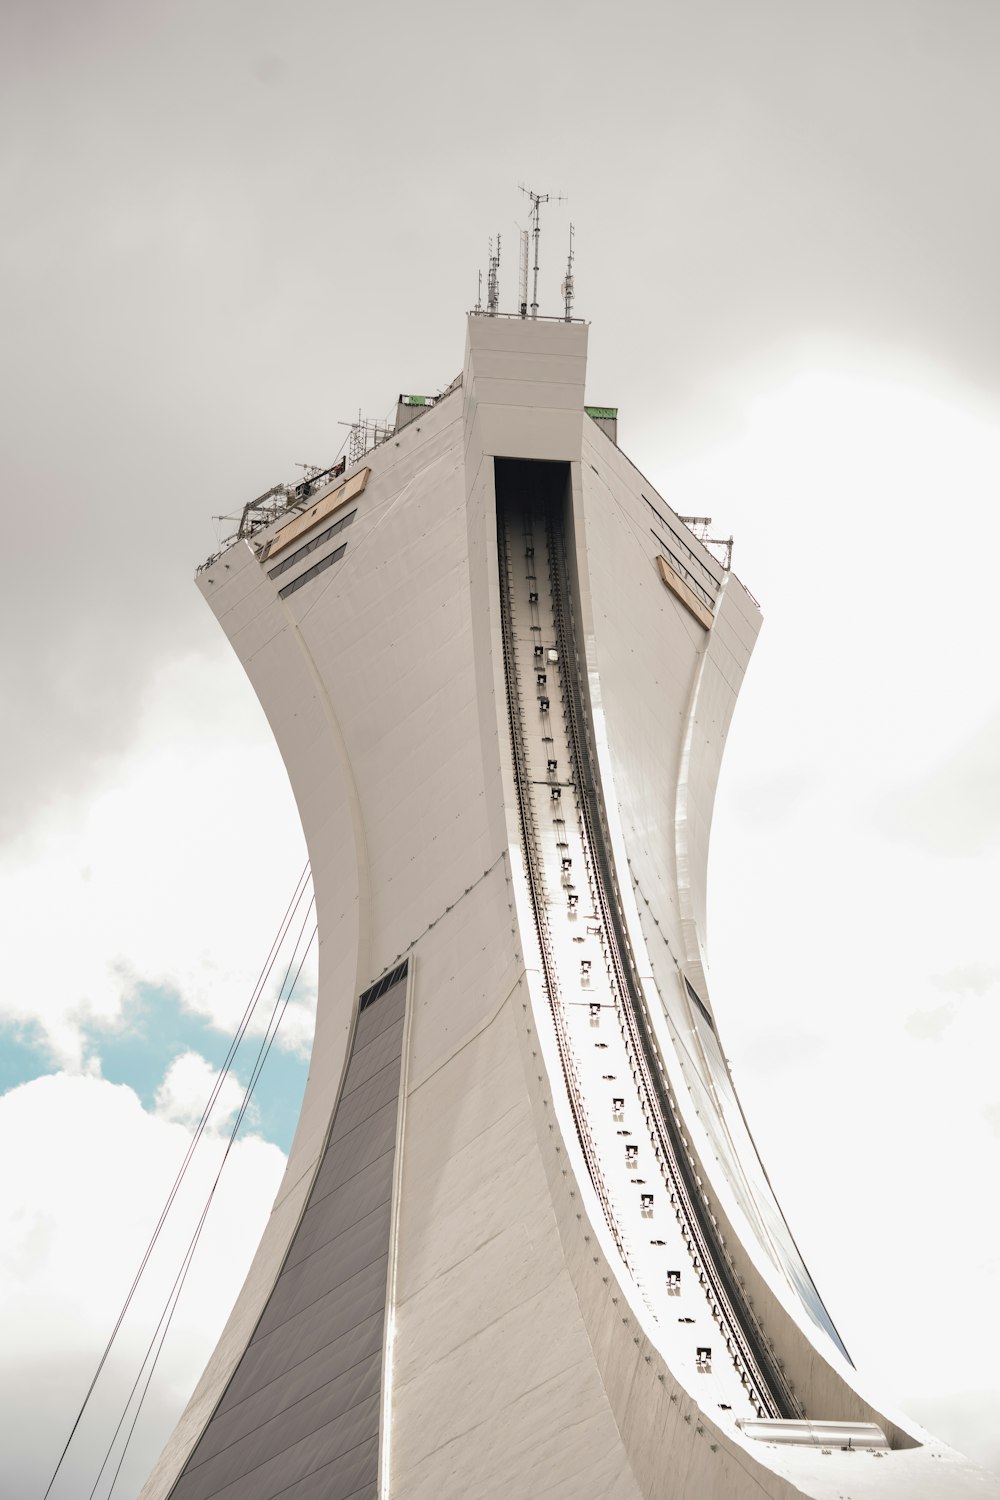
<point x="602" y="413"/>
<point x="416" y="400"/>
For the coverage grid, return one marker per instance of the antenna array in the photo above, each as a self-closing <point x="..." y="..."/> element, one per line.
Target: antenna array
<point x="526" y="238"/>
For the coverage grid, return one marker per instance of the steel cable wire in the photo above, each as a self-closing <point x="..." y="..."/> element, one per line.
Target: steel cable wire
<point x="258" y="988"/>
<point x="170" y="1307"/>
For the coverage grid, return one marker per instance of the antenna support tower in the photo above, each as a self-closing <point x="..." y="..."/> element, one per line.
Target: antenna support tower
<point x="567" y="286"/>
<point x="493" y="281"/>
<point x="701" y="526"/>
<point x="522" y="298"/>
<point x="537" y="199"/>
<point x="365" y="434"/>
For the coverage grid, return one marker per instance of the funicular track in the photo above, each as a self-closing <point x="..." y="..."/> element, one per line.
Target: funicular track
<point x="529" y="841"/>
<point x="746" y="1343"/>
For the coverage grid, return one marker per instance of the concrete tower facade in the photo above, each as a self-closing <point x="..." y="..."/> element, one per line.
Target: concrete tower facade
<point x="524" y="1245"/>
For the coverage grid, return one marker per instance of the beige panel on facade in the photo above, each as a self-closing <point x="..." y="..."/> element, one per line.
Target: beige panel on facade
<point x="687" y="596"/>
<point x="349" y="490"/>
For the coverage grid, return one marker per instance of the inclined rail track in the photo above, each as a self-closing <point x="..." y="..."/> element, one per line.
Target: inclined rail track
<point x="745" y="1338"/>
<point x="746" y="1342"/>
<point x="530" y="845"/>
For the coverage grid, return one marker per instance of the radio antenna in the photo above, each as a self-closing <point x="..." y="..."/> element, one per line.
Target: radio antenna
<point x="567" y="286"/>
<point x="537" y="199"/>
<point x="493" y="281"/>
<point x="522" y="298"/>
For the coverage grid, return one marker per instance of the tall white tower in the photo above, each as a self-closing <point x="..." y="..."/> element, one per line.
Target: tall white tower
<point x="524" y="1246"/>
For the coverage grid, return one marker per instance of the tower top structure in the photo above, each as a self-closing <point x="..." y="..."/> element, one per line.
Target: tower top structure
<point x="524" y="1240"/>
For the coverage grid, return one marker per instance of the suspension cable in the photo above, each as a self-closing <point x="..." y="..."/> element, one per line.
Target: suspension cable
<point x="262" y="979"/>
<point x="170" y="1306"/>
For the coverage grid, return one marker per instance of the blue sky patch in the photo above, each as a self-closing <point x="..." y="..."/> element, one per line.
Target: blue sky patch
<point x="158" y="1028"/>
<point x="24" y="1054"/>
<point x="138" y="1048"/>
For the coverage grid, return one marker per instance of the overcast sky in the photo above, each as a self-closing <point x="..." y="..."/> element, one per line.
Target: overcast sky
<point x="228" y="227"/>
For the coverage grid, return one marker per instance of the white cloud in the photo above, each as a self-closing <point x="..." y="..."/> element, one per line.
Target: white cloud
<point x="162" y="876"/>
<point x="974" y="978"/>
<point x="869" y="678"/>
<point x="930" y="1023"/>
<point x="299" y="1022"/>
<point x="187" y="1087"/>
<point x="956" y="808"/>
<point x="86" y="1181"/>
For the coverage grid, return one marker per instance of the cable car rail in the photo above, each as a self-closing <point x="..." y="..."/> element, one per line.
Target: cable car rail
<point x="747" y="1346"/>
<point x="532" y="863"/>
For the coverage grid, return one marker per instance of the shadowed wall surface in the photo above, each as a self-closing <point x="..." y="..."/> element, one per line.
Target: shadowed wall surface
<point x="304" y="1400"/>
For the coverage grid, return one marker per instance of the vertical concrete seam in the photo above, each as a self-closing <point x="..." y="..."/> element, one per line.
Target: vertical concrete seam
<point x="388" y="1326"/>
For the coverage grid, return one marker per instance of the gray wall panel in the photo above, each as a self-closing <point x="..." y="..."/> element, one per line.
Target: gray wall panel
<point x="366" y="1144"/>
<point x="372" y="1059"/>
<point x="365" y="1102"/>
<point x="274" y="1476"/>
<point x="300" y="1416"/>
<point x="334" y="1406"/>
<point x="354" y="1199"/>
<point x="303" y="1285"/>
<point x="378" y="1017"/>
<point x="332" y="1359"/>
<point x="290" y="1393"/>
<point x="327" y="1329"/>
<point x="350" y="1477"/>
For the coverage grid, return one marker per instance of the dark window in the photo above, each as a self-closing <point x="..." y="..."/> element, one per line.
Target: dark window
<point x="703" y="1008"/>
<point x="688" y="577"/>
<point x="706" y="570"/>
<point x="311" y="573"/>
<point x="377" y="990"/>
<point x="311" y="545"/>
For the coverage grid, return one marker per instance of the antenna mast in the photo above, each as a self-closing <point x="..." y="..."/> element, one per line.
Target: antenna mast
<point x="522" y="299"/>
<point x="567" y="286"/>
<point x="537" y="199"/>
<point x="493" y="281"/>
